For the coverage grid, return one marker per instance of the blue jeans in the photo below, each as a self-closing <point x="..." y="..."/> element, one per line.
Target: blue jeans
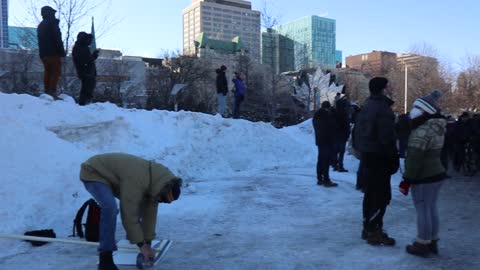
<point x="425" y="197"/>
<point x="103" y="194"/>
<point x="221" y="104"/>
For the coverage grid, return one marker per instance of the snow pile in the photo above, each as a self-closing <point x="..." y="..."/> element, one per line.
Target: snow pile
<point x="44" y="142"/>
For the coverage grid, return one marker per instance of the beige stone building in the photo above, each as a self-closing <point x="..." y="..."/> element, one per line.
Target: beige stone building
<point x="222" y="20"/>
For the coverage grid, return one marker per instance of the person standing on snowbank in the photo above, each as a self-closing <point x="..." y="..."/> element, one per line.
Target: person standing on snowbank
<point x="140" y="185"/>
<point x="222" y="89"/>
<point x="240" y="92"/>
<point x="84" y="62"/>
<point x="51" y="50"/>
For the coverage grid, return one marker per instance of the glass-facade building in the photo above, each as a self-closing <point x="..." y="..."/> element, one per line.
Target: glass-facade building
<point x="307" y="43"/>
<point x="338" y="57"/>
<point x="4" y="24"/>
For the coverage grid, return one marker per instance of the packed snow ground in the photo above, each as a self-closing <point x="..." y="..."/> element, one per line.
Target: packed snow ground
<point x="249" y="201"/>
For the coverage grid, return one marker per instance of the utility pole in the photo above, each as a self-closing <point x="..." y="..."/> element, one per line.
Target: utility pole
<point x="406" y="88"/>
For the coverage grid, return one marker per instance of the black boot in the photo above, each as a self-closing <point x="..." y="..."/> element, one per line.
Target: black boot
<point x="106" y="261"/>
<point x="329" y="183"/>
<point x="418" y="249"/>
<point x="433" y="246"/>
<point x="379" y="237"/>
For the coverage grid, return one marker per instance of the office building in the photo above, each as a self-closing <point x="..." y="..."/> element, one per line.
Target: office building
<point x="4" y="24"/>
<point x="22" y="38"/>
<point x="308" y="42"/>
<point x="375" y="63"/>
<point x="222" y="20"/>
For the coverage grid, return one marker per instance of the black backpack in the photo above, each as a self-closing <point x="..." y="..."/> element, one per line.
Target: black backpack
<point x="92" y="225"/>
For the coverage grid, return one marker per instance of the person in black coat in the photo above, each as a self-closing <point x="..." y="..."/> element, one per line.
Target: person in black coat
<point x="342" y="131"/>
<point x="51" y="50"/>
<point x="84" y="62"/>
<point x="222" y="89"/>
<point x="324" y="126"/>
<point x="375" y="139"/>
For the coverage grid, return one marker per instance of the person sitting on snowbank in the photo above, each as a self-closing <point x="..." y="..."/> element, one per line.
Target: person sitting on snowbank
<point x="140" y="185"/>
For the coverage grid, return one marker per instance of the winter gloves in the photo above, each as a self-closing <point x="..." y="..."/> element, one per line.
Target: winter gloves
<point x="404" y="187"/>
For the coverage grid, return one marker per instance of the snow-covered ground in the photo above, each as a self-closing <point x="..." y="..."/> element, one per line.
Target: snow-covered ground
<point x="249" y="201"/>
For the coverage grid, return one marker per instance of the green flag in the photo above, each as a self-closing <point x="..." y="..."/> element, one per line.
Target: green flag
<point x="93" y="45"/>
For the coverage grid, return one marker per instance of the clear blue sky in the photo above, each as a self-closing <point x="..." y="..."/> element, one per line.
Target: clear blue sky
<point x="451" y="27"/>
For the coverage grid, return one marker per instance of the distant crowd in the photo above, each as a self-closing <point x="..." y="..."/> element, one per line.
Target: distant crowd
<point x="425" y="138"/>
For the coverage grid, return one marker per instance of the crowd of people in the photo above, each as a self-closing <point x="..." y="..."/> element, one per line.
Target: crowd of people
<point x="424" y="137"/>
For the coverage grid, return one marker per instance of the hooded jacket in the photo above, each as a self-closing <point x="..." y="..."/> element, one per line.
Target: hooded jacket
<point x="83" y="59"/>
<point x="49" y="35"/>
<point x="136" y="182"/>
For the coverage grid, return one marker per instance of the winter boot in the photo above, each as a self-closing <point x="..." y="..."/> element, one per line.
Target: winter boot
<point x="418" y="249"/>
<point x="320" y="182"/>
<point x="433" y="246"/>
<point x="329" y="183"/>
<point x="106" y="261"/>
<point x="379" y="237"/>
<point x="364" y="234"/>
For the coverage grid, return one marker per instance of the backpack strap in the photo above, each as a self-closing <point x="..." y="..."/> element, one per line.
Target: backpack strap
<point x="77" y="222"/>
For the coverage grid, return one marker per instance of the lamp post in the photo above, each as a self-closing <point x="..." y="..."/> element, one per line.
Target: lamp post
<point x="406" y="88"/>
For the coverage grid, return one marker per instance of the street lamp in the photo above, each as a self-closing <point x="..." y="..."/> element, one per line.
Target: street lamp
<point x="406" y="88"/>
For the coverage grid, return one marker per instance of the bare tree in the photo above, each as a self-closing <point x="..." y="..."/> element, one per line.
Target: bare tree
<point x="198" y="74"/>
<point x="468" y="84"/>
<point x="75" y="15"/>
<point x="424" y="74"/>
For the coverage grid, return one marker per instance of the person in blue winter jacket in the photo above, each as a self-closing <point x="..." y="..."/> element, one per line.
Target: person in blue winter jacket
<point x="240" y="92"/>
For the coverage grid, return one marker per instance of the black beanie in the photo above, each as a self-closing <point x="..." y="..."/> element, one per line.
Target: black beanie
<point x="377" y="84"/>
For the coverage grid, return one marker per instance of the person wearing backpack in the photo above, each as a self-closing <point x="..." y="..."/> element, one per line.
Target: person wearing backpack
<point x="140" y="185"/>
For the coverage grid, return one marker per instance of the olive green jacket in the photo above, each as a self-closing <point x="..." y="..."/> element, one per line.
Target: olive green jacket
<point x="425" y="143"/>
<point x="136" y="182"/>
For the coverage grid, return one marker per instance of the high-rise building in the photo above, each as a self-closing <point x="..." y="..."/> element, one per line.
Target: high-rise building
<point x="4" y="24"/>
<point x="311" y="39"/>
<point x="222" y="20"/>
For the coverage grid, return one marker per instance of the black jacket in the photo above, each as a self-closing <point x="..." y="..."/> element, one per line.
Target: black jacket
<point x="83" y="59"/>
<point x="341" y="115"/>
<point x="222" y="84"/>
<point x="324" y="126"/>
<point x="375" y="126"/>
<point x="50" y="38"/>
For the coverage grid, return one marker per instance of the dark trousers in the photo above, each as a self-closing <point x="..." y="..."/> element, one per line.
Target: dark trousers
<point x="236" y="108"/>
<point x="323" y="162"/>
<point x="360" y="176"/>
<point x="377" y="189"/>
<point x="338" y="154"/>
<point x="51" y="76"/>
<point x="86" y="92"/>
<point x="402" y="147"/>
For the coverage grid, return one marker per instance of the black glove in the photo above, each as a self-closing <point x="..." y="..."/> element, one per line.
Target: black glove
<point x="95" y="54"/>
<point x="394" y="163"/>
